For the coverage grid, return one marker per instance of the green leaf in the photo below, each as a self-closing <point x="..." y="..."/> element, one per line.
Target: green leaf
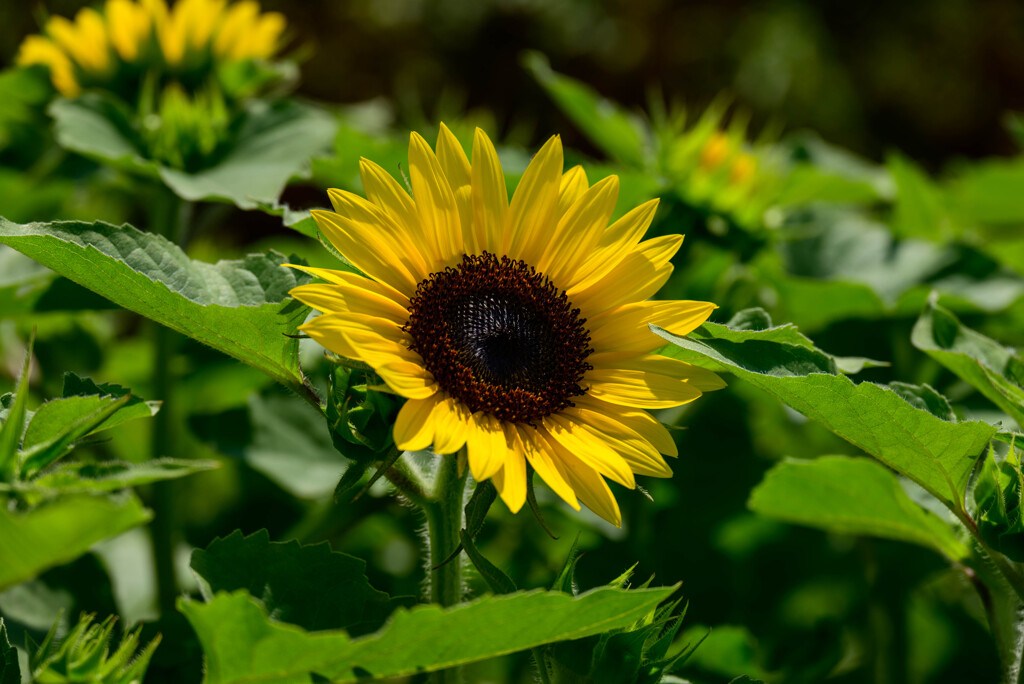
<point x="937" y="453"/>
<point x="994" y="370"/>
<point x="919" y="210"/>
<point x="38" y="455"/>
<point x="275" y="141"/>
<point x="620" y="134"/>
<point x="851" y="496"/>
<point x="60" y="531"/>
<point x="242" y="644"/>
<point x="239" y="307"/>
<point x="14" y="421"/>
<point x="107" y="476"/>
<point x="309" y="586"/>
<point x="496" y="579"/>
<point x="10" y="671"/>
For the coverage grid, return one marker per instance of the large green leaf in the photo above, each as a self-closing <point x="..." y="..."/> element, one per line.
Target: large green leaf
<point x="994" y="370"/>
<point x="239" y="307"/>
<point x="275" y="141"/>
<point x="61" y="531"/>
<point x="911" y="429"/>
<point x="309" y="586"/>
<point x="852" y="496"/>
<point x="242" y="644"/>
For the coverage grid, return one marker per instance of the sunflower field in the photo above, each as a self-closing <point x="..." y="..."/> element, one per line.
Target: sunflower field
<point x="360" y="342"/>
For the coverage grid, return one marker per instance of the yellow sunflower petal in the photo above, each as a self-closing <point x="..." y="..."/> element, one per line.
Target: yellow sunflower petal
<point x="588" y="447"/>
<point x="579" y="230"/>
<point x="414" y="429"/>
<point x="384" y="191"/>
<point x="368" y="218"/>
<point x="354" y="280"/>
<point x="408" y="379"/>
<point x="638" y="420"/>
<point x="588" y="484"/>
<point x="618" y="241"/>
<point x="371" y="253"/>
<point x="455" y="165"/>
<point x="435" y="201"/>
<point x="365" y="338"/>
<point x="39" y="50"/>
<point x="541" y="458"/>
<point x="452" y="420"/>
<point x="625" y="328"/>
<point x="642" y="457"/>
<point x="349" y="299"/>
<point x="698" y="377"/>
<point x="128" y="25"/>
<point x="512" y="484"/>
<point x="239" y="21"/>
<point x="636" y="278"/>
<point x="532" y="214"/>
<point x="485" y="442"/>
<point x="573" y="185"/>
<point x="489" y="197"/>
<point x="639" y="389"/>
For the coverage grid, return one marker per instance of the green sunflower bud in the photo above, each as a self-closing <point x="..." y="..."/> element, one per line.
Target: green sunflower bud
<point x="998" y="496"/>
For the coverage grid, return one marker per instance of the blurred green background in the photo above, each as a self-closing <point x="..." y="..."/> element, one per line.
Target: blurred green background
<point x="933" y="80"/>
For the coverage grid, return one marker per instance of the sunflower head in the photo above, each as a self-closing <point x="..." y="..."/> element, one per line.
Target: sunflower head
<point x="128" y="41"/>
<point x="516" y="330"/>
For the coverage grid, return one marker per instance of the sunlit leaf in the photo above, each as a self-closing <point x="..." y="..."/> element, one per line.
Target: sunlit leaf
<point x="895" y="424"/>
<point x="242" y="644"/>
<point x="274" y="142"/>
<point x="238" y="307"/>
<point x="852" y="496"/>
<point x="994" y="370"/>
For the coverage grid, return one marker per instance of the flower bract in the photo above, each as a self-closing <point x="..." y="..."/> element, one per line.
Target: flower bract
<point x="516" y="329"/>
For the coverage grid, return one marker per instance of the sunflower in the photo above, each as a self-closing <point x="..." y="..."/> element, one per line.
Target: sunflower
<point x="518" y="330"/>
<point x="130" y="39"/>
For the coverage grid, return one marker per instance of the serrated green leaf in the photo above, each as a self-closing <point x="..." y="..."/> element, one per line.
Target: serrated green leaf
<point x="935" y="452"/>
<point x="60" y="531"/>
<point x="309" y="586"/>
<point x="242" y="644"/>
<point x="238" y="307"/>
<point x="275" y="141"/>
<point x="994" y="370"/>
<point x="10" y="670"/>
<point x="851" y="496"/>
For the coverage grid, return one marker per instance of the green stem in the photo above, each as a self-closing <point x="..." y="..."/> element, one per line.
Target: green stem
<point x="444" y="521"/>
<point x="1007" y="569"/>
<point x="167" y="216"/>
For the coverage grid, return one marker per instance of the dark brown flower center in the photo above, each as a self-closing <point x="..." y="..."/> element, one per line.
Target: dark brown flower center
<point x="500" y="337"/>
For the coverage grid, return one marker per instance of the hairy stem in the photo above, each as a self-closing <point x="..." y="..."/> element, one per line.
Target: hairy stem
<point x="444" y="521"/>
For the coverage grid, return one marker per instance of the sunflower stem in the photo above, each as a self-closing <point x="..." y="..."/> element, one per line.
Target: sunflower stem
<point x="167" y="216"/>
<point x="444" y="521"/>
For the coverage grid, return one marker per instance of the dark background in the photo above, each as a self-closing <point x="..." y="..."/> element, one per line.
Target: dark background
<point x="931" y="78"/>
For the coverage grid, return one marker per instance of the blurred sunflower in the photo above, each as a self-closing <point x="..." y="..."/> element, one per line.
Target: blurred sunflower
<point x="118" y="47"/>
<point x="518" y="330"/>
